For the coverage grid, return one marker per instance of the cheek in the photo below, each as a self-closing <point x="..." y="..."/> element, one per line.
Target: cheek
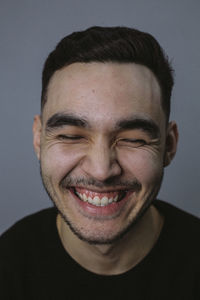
<point x="146" y="166"/>
<point x="57" y="161"/>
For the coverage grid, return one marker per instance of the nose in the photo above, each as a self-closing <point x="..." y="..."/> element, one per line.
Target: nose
<point x="101" y="161"/>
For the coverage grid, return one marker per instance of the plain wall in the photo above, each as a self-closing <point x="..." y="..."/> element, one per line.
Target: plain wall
<point x="29" y="30"/>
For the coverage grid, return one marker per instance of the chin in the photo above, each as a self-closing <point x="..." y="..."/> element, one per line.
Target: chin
<point x="100" y="236"/>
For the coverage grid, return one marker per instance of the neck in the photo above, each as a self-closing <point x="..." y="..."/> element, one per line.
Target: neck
<point x="114" y="258"/>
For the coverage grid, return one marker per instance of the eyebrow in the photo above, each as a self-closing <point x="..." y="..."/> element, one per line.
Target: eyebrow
<point x="146" y="125"/>
<point x="59" y="120"/>
<point x="62" y="119"/>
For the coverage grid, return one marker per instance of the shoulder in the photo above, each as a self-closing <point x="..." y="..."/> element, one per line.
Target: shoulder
<point x="26" y="231"/>
<point x="24" y="247"/>
<point x="176" y="215"/>
<point x="181" y="229"/>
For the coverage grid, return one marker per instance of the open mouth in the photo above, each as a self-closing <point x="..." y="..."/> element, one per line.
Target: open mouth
<point x="97" y="198"/>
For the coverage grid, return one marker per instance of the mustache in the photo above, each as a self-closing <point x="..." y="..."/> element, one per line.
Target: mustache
<point x="91" y="182"/>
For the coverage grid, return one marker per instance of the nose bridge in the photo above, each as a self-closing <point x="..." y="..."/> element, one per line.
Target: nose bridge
<point x="101" y="161"/>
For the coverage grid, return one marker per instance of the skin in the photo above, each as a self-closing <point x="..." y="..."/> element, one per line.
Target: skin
<point x="104" y="94"/>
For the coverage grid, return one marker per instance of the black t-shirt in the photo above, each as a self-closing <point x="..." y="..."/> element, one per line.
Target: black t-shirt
<point x="34" y="264"/>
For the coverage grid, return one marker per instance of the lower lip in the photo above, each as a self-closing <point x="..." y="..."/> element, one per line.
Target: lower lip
<point x="108" y="210"/>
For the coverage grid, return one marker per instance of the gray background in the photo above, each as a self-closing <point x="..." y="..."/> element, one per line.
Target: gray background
<point x="29" y="29"/>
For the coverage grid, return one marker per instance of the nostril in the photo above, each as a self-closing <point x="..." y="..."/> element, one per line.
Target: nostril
<point x="101" y="171"/>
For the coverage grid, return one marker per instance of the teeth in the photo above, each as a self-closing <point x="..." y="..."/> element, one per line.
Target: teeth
<point x="84" y="198"/>
<point x="80" y="195"/>
<point x="104" y="201"/>
<point x="116" y="198"/>
<point x="90" y="200"/>
<point x="96" y="200"/>
<point x="110" y="200"/>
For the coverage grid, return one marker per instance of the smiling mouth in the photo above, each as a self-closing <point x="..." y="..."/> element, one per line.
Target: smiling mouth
<point x="99" y="198"/>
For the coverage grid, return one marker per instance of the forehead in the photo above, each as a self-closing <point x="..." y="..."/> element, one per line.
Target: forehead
<point x="104" y="92"/>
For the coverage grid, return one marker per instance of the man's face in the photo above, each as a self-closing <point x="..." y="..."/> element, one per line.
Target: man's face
<point x="102" y="146"/>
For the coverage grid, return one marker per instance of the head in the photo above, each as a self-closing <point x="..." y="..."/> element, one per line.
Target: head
<point x="103" y="138"/>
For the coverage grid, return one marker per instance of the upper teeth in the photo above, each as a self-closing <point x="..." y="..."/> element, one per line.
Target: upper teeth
<point x="96" y="200"/>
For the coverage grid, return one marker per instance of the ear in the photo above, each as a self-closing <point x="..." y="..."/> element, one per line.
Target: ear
<point x="37" y="129"/>
<point x="171" y="143"/>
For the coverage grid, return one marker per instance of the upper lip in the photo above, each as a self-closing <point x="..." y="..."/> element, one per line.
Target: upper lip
<point x="101" y="190"/>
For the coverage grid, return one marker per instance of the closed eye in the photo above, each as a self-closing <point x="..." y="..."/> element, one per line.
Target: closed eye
<point x="131" y="142"/>
<point x="69" y="137"/>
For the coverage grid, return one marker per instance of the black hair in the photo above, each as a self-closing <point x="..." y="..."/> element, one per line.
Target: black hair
<point x="111" y="44"/>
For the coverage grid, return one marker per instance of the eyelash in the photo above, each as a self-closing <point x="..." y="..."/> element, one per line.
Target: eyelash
<point x="139" y="142"/>
<point x="134" y="141"/>
<point x="69" y="137"/>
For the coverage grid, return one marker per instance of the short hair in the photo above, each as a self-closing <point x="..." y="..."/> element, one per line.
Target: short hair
<point x="111" y="44"/>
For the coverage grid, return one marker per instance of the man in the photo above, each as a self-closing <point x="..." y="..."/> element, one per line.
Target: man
<point x="103" y="139"/>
